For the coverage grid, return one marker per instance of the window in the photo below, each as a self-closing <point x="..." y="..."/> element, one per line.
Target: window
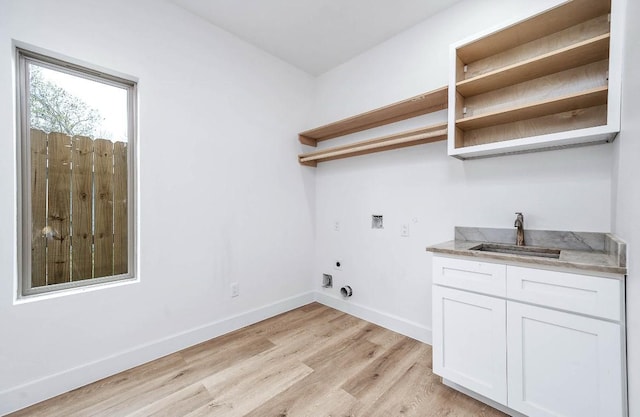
<point x="76" y="147"/>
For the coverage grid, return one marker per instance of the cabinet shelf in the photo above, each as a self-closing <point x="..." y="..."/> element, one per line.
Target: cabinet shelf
<point x="581" y="53"/>
<point x="563" y="16"/>
<point x="415" y="106"/>
<point x="581" y="100"/>
<point x="413" y="137"/>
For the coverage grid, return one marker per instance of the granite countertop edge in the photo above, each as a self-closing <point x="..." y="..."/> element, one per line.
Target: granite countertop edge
<point x="582" y="260"/>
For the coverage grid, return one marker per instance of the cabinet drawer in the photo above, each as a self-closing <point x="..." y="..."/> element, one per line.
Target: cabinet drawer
<point x="584" y="294"/>
<point x="482" y="277"/>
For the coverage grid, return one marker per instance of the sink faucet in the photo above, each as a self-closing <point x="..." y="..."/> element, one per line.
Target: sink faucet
<point x="519" y="224"/>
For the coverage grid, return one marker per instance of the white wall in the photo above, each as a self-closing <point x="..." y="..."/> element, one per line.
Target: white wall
<point x="423" y="187"/>
<point x="221" y="195"/>
<point x="233" y="204"/>
<point x="627" y="197"/>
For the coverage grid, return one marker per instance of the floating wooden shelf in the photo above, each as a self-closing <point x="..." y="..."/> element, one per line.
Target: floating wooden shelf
<point x="581" y="53"/>
<point x="584" y="99"/>
<point x="399" y="140"/>
<point x="415" y="106"/>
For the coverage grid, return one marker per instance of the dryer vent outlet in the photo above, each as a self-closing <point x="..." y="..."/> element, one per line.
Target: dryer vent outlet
<point x="346" y="291"/>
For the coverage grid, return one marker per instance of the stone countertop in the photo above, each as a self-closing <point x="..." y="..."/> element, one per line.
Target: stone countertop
<point x="606" y="255"/>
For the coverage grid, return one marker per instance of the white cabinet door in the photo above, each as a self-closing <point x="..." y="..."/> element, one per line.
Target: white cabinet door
<point x="469" y="341"/>
<point x="562" y="364"/>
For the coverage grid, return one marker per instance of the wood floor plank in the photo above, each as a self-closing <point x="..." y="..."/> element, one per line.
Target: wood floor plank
<point x="343" y="352"/>
<point x="141" y="396"/>
<point x="182" y="377"/>
<point x="77" y="400"/>
<point x="286" y="323"/>
<point x="235" y="397"/>
<point x="372" y="382"/>
<point x="420" y="393"/>
<point x="320" y="324"/>
<point x="220" y="358"/>
<point x="332" y="366"/>
<point x="234" y="389"/>
<point x="384" y="337"/>
<point x="332" y="403"/>
<point x="313" y="361"/>
<point x="228" y="342"/>
<point x="179" y="403"/>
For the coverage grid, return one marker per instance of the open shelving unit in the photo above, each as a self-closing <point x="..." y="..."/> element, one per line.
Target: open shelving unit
<point x="385" y="143"/>
<point x="552" y="80"/>
<point x="415" y="106"/>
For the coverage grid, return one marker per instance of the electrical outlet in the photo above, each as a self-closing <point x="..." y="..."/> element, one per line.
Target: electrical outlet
<point x="235" y="289"/>
<point x="336" y="226"/>
<point x="404" y="230"/>
<point x="377" y="221"/>
<point x="337" y="265"/>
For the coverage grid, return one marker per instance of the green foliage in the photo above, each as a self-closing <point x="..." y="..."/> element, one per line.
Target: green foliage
<point x="54" y="109"/>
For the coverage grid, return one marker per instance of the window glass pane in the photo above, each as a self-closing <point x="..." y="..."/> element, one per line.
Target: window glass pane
<point x="78" y="136"/>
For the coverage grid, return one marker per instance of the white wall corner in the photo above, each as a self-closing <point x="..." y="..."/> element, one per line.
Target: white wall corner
<point x="397" y="324"/>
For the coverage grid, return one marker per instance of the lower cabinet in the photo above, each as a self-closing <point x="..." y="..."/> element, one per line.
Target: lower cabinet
<point x="534" y="359"/>
<point x="469" y="341"/>
<point x="562" y="364"/>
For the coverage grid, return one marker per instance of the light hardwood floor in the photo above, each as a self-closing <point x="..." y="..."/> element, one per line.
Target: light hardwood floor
<point x="310" y="362"/>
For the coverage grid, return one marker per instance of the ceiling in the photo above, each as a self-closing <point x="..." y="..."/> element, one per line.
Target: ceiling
<point x="314" y="35"/>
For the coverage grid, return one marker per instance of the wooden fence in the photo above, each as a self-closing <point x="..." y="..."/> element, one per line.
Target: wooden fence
<point x="78" y="207"/>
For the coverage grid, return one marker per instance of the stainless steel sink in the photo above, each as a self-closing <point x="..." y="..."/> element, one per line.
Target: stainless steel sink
<point x="518" y="250"/>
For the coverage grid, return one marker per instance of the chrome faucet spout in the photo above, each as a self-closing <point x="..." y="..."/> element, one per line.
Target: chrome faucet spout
<point x="519" y="225"/>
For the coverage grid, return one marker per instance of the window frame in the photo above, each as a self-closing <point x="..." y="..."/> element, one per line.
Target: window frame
<point x="23" y="57"/>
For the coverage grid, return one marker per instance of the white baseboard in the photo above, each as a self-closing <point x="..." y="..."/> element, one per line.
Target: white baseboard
<point x="49" y="386"/>
<point x="397" y="324"/>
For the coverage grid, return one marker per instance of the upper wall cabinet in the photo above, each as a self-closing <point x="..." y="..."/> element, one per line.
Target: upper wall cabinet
<point x="549" y="81"/>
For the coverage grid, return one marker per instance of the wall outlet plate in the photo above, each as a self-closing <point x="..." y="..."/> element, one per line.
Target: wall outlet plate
<point x="235" y="289"/>
<point x="327" y="281"/>
<point x="377" y="221"/>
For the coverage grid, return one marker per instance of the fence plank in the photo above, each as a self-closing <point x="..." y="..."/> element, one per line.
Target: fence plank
<point x="59" y="184"/>
<point x="103" y="200"/>
<point x="120" y="229"/>
<point x="38" y="208"/>
<point x="81" y="222"/>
